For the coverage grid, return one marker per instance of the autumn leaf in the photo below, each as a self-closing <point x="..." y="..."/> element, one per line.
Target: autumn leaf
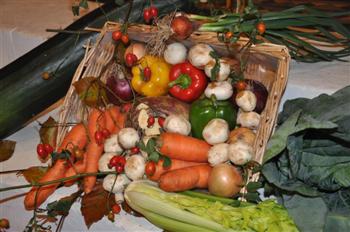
<point x="91" y="91"/>
<point x="48" y="132"/>
<point x="33" y="174"/>
<point x="95" y="204"/>
<point x="62" y="206"/>
<point x="7" y="147"/>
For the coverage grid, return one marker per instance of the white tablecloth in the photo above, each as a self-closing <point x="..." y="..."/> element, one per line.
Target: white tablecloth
<point x="18" y="36"/>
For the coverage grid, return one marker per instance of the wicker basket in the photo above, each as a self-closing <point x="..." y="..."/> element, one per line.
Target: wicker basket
<point x="268" y="63"/>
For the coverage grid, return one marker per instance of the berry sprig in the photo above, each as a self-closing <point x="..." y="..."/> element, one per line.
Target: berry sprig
<point x="44" y="150"/>
<point x="118" y="162"/>
<point x="101" y="136"/>
<point x="150" y="13"/>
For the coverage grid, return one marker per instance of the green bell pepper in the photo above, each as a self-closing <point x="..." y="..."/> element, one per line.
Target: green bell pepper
<point x="206" y="109"/>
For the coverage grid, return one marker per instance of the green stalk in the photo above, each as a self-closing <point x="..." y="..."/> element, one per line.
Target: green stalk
<point x="223" y="200"/>
<point x="57" y="181"/>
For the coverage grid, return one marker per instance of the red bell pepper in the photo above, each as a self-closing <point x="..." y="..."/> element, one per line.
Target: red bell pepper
<point x="187" y="82"/>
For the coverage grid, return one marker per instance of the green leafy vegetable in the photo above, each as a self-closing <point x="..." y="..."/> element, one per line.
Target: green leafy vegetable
<point x="307" y="161"/>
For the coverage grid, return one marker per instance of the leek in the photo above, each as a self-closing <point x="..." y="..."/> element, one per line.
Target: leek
<point x="179" y="212"/>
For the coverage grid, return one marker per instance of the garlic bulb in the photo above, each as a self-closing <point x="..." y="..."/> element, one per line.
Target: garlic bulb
<point x="222" y="90"/>
<point x="224" y="70"/>
<point x="240" y="153"/>
<point x="250" y="120"/>
<point x="216" y="131"/>
<point x="199" y="55"/>
<point x="246" y="100"/>
<point x="175" y="53"/>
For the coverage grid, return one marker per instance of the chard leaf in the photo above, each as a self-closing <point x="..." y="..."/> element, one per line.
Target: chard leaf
<point x="337" y="222"/>
<point x="308" y="213"/>
<point x="295" y="123"/>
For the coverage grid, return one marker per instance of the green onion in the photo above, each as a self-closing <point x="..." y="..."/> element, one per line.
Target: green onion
<point x="286" y="28"/>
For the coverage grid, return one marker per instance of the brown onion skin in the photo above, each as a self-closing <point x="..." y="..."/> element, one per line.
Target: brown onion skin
<point x="225" y="180"/>
<point x="182" y="27"/>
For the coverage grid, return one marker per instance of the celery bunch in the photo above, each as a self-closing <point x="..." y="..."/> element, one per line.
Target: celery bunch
<point x="179" y="212"/>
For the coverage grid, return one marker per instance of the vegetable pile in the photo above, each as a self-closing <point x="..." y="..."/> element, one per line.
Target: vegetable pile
<point x="179" y="119"/>
<point x="307" y="162"/>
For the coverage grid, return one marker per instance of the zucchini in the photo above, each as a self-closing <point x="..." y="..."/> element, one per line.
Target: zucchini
<point x="24" y="94"/>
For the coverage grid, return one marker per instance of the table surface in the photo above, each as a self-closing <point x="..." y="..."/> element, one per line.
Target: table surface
<point x="305" y="80"/>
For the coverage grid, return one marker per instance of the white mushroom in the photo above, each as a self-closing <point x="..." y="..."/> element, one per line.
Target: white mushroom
<point x="119" y="198"/>
<point x="246" y="100"/>
<point x="221" y="89"/>
<point x="135" y="167"/>
<point x="128" y="137"/>
<point x="177" y="124"/>
<point x="199" y="55"/>
<point x="248" y="119"/>
<point x="121" y="181"/>
<point x="104" y="161"/>
<point x="175" y="53"/>
<point x="216" y="131"/>
<point x="112" y="145"/>
<point x="240" y="152"/>
<point x="218" y="154"/>
<point x="224" y="70"/>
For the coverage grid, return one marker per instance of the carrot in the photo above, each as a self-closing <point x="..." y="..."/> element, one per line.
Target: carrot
<point x="175" y="164"/>
<point x="79" y="167"/>
<point x="185" y="178"/>
<point x="75" y="137"/>
<point x="110" y="124"/>
<point x="56" y="172"/>
<point x="94" y="151"/>
<point x="177" y="146"/>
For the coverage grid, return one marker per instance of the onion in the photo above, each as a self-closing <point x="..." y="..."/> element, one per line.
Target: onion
<point x="224" y="180"/>
<point x="199" y="55"/>
<point x="118" y="87"/>
<point x="138" y="49"/>
<point x="182" y="27"/>
<point x="175" y="53"/>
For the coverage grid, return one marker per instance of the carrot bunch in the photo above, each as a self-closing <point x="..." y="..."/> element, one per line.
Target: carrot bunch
<point x="189" y="168"/>
<point x="80" y="137"/>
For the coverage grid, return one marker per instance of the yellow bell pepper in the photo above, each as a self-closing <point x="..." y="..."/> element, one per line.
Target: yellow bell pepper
<point x="157" y="84"/>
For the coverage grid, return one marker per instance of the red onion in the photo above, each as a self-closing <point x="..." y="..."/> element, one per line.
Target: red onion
<point x="182" y="27"/>
<point x="120" y="88"/>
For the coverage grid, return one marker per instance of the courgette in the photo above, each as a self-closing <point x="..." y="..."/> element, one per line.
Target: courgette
<point x="24" y="93"/>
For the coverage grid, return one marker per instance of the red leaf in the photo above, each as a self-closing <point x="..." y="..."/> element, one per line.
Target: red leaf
<point x="94" y="205"/>
<point x="48" y="132"/>
<point x="7" y="147"/>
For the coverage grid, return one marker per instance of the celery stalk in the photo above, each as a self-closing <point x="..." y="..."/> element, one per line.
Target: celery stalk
<point x="169" y="224"/>
<point x="144" y="201"/>
<point x="179" y="212"/>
